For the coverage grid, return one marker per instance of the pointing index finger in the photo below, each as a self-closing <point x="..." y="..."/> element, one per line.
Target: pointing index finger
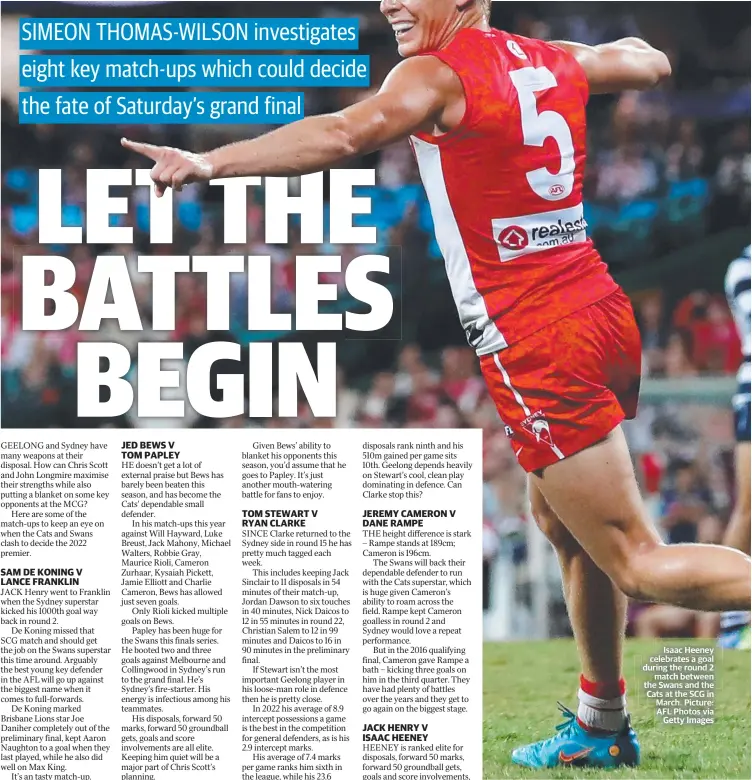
<point x="148" y="150"/>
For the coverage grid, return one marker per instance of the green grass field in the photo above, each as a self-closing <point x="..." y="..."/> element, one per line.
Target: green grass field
<point x="523" y="681"/>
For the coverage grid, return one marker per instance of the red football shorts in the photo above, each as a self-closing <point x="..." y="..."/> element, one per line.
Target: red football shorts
<point x="568" y="385"/>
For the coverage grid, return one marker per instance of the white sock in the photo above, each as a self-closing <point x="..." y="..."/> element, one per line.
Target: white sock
<point x="603" y="714"/>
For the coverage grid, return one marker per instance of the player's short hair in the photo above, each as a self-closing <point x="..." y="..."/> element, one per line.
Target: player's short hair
<point x="485" y="6"/>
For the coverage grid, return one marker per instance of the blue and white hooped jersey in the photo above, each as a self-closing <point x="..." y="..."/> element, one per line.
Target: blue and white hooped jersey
<point x="739" y="295"/>
<point x="739" y="298"/>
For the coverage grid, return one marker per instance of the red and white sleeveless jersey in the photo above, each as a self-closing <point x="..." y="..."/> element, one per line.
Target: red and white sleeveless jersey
<point x="505" y="189"/>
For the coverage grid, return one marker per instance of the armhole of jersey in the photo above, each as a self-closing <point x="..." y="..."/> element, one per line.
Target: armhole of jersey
<point x="469" y="106"/>
<point x="583" y="79"/>
<point x="579" y="73"/>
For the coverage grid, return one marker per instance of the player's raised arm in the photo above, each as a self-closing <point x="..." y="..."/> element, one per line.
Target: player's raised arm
<point x="418" y="93"/>
<point x="629" y="63"/>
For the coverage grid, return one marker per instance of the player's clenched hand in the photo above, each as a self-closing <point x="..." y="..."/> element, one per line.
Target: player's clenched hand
<point x="172" y="167"/>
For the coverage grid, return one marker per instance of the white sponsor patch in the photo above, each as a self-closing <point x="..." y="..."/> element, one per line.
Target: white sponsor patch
<point x="517" y="236"/>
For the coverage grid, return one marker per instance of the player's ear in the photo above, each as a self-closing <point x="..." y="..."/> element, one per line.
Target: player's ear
<point x="466" y="5"/>
<point x="483" y="5"/>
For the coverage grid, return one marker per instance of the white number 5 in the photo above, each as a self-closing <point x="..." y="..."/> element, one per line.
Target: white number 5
<point x="537" y="127"/>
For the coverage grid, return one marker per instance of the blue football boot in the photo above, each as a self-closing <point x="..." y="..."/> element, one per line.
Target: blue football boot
<point x="574" y="746"/>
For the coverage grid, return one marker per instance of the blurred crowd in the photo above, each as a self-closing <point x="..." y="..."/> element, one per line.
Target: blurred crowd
<point x="664" y="170"/>
<point x="698" y="337"/>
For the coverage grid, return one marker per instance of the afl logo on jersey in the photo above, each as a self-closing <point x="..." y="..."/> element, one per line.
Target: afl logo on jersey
<point x="514" y="238"/>
<point x="556" y="190"/>
<point x="516" y="49"/>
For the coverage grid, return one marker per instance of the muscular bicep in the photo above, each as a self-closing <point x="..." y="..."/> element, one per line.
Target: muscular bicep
<point x="614" y="67"/>
<point x="415" y="96"/>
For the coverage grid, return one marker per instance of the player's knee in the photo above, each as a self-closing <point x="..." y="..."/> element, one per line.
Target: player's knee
<point x="629" y="584"/>
<point x="632" y="572"/>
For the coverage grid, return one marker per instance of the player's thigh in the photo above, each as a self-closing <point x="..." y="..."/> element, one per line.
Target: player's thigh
<point x="548" y="521"/>
<point x="595" y="494"/>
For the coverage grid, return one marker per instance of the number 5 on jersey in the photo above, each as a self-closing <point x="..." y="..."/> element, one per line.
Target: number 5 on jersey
<point x="537" y="127"/>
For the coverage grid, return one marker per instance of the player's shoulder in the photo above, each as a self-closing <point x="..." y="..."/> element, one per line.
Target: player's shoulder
<point x="428" y="70"/>
<point x="553" y="57"/>
<point x="524" y="47"/>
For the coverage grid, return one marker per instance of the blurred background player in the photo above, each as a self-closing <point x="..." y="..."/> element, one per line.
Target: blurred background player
<point x="735" y="631"/>
<point x="559" y="346"/>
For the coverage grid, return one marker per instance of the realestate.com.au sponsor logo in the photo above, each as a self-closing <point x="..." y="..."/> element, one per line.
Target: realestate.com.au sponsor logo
<point x="521" y="235"/>
<point x="558" y="229"/>
<point x="516" y="238"/>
